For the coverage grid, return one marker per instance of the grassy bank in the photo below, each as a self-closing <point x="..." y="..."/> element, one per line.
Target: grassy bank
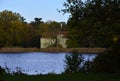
<point x="81" y="50"/>
<point x="63" y="77"/>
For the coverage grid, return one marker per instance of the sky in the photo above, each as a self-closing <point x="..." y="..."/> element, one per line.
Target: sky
<point x="29" y="9"/>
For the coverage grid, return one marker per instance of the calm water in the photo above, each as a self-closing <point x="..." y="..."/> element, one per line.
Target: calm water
<point x="37" y="62"/>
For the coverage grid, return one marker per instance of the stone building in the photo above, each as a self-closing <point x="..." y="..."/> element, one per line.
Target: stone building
<point x="56" y="40"/>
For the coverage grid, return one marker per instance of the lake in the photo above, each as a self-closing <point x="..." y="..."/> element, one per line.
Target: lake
<point x="37" y="62"/>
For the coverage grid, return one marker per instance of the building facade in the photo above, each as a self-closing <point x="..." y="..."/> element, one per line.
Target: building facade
<point x="60" y="40"/>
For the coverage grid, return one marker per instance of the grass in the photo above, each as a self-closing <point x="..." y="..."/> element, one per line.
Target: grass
<point x="63" y="77"/>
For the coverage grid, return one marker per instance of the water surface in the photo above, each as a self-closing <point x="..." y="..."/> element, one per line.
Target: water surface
<point x="37" y="62"/>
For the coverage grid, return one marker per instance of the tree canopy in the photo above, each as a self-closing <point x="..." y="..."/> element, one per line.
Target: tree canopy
<point x="96" y="23"/>
<point x="92" y="23"/>
<point x="15" y="32"/>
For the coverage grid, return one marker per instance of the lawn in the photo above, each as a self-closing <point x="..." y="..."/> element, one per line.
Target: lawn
<point x="62" y="77"/>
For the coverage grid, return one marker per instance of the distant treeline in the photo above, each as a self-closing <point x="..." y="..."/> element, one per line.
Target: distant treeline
<point x="16" y="32"/>
<point x="92" y="23"/>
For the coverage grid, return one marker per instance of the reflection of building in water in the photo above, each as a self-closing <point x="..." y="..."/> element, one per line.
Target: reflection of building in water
<point x="54" y="40"/>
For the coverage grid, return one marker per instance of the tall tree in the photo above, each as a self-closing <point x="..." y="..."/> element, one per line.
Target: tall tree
<point x="36" y="23"/>
<point x="9" y="16"/>
<point x="36" y="30"/>
<point x="13" y="29"/>
<point x="92" y="23"/>
<point x="6" y="17"/>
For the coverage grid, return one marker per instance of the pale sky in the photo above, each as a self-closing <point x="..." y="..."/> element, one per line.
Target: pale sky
<point x="29" y="9"/>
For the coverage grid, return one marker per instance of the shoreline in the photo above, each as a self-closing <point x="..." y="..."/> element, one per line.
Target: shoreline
<point x="54" y="50"/>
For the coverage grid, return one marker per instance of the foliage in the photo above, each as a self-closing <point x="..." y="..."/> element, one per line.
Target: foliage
<point x="13" y="29"/>
<point x="87" y="66"/>
<point x="73" y="62"/>
<point x="50" y="29"/>
<point x="36" y="23"/>
<point x="109" y="61"/>
<point x="9" y="16"/>
<point x="2" y="71"/>
<point x="63" y="77"/>
<point x="15" y="32"/>
<point x="95" y="23"/>
<point x="92" y="23"/>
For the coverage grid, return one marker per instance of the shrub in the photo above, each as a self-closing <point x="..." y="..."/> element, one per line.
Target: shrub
<point x="2" y="71"/>
<point x="109" y="61"/>
<point x="87" y="66"/>
<point x="73" y="61"/>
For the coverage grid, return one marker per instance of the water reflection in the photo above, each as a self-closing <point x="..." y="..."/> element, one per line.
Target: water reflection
<point x="37" y="62"/>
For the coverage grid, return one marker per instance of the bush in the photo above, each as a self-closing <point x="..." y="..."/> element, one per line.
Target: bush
<point x="109" y="61"/>
<point x="2" y="71"/>
<point x="87" y="66"/>
<point x="73" y="61"/>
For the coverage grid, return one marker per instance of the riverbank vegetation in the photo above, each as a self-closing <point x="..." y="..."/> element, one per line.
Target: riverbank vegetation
<point x="93" y="23"/>
<point x="105" y="69"/>
<point x="16" y="32"/>
<point x="63" y="77"/>
<point x="19" y="76"/>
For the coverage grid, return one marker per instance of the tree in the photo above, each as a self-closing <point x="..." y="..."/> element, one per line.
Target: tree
<point x="9" y="16"/>
<point x="54" y="27"/>
<point x="36" y="32"/>
<point x="6" y="17"/>
<point x="74" y="7"/>
<point x="36" y="23"/>
<point x="95" y="23"/>
<point x="20" y="34"/>
<point x="13" y="30"/>
<point x="50" y="29"/>
<point x="3" y="37"/>
<point x="73" y="62"/>
<point x="92" y="23"/>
